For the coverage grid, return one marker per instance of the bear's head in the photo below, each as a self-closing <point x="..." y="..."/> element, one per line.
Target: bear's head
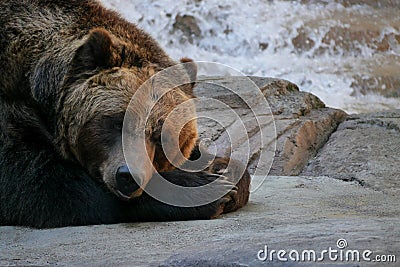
<point x="105" y="73"/>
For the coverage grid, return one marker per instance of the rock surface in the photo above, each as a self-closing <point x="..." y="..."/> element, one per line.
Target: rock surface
<point x="188" y="26"/>
<point x="348" y="189"/>
<point x="284" y="213"/>
<point x="294" y="125"/>
<point x="365" y="148"/>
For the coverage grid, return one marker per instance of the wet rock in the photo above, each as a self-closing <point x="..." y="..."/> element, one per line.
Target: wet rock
<point x="373" y="3"/>
<point x="344" y="40"/>
<point x="187" y="24"/>
<point x="388" y="86"/>
<point x="263" y="46"/>
<point x="347" y="3"/>
<point x="302" y="42"/>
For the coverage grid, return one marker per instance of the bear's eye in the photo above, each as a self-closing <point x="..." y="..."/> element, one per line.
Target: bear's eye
<point x="113" y="122"/>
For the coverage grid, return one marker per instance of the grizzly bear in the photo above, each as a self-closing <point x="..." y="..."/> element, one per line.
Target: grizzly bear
<point x="68" y="71"/>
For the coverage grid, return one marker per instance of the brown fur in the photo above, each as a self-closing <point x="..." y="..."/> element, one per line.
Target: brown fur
<point x="92" y="32"/>
<point x="81" y="63"/>
<point x="69" y="70"/>
<point x="242" y="197"/>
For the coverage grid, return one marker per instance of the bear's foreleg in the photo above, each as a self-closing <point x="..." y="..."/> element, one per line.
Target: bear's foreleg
<point x="146" y="208"/>
<point x="234" y="170"/>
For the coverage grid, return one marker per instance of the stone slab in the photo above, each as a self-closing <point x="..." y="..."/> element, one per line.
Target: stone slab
<point x="288" y="213"/>
<point x="365" y="148"/>
<point x="263" y="122"/>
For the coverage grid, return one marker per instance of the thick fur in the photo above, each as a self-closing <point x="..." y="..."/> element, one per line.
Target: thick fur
<point x="59" y="63"/>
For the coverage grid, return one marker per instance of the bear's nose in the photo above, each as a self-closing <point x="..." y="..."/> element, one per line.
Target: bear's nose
<point x="126" y="185"/>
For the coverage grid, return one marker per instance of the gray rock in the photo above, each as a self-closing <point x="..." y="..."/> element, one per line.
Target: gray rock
<point x="281" y="134"/>
<point x="283" y="213"/>
<point x="365" y="148"/>
<point x="387" y="85"/>
<point x="188" y="26"/>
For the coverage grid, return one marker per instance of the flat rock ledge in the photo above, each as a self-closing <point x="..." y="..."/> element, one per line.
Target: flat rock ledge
<point x="333" y="183"/>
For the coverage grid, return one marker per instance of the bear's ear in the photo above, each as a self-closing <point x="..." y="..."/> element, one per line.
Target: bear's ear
<point x="101" y="50"/>
<point x="191" y="69"/>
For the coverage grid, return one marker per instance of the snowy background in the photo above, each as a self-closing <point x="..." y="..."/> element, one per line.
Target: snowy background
<point x="347" y="54"/>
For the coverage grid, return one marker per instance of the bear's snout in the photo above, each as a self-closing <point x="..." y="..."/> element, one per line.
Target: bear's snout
<point x="127" y="186"/>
